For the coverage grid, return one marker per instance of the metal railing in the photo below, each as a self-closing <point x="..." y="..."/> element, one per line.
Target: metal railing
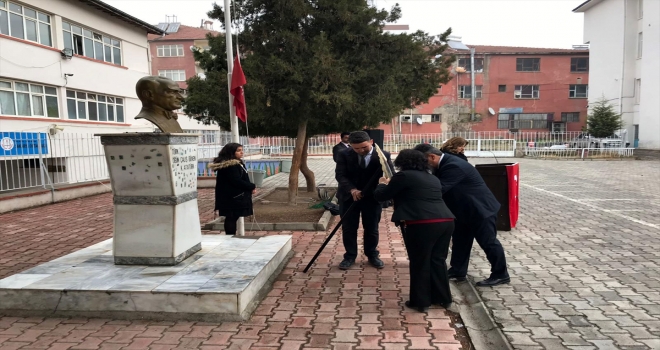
<point x="579" y="153"/>
<point x="30" y="159"/>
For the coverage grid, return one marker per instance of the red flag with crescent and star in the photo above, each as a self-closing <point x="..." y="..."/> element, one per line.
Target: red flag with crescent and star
<point x="237" y="82"/>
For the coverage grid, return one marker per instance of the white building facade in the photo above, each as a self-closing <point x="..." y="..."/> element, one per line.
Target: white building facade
<point x="67" y="67"/>
<point x="624" y="62"/>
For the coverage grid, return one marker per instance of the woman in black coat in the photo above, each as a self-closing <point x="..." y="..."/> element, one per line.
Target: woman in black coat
<point x="233" y="189"/>
<point x="426" y="225"/>
<point x="456" y="147"/>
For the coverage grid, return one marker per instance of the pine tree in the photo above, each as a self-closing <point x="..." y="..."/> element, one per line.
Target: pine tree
<point x="317" y="67"/>
<point x="603" y="120"/>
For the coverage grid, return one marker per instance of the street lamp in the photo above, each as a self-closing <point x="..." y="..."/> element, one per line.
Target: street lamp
<point x="456" y="43"/>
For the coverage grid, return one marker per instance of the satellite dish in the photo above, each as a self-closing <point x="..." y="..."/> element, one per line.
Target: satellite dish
<point x="491" y="111"/>
<point x="419" y="121"/>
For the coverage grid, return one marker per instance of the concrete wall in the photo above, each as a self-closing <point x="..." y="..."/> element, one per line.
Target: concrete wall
<point x="649" y="111"/>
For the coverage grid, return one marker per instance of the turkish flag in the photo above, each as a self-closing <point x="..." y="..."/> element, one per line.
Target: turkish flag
<point x="237" y="82"/>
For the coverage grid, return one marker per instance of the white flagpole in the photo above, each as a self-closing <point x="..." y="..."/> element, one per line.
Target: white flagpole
<point x="240" y="225"/>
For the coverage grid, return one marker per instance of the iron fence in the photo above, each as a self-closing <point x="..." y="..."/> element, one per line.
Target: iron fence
<point x="41" y="160"/>
<point x="579" y="153"/>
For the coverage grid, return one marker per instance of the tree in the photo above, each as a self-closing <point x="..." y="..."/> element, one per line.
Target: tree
<point x="317" y="67"/>
<point x="603" y="120"/>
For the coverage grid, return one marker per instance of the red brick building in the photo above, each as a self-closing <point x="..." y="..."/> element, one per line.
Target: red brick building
<point x="171" y="54"/>
<point x="528" y="89"/>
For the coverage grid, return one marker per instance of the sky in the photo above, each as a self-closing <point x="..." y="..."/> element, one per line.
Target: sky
<point x="531" y="23"/>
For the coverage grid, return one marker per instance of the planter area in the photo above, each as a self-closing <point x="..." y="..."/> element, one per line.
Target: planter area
<point x="273" y="213"/>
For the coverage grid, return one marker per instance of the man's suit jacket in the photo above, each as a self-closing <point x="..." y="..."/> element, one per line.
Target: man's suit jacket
<point x="350" y="175"/>
<point x="464" y="190"/>
<point x="417" y="196"/>
<point x="338" y="148"/>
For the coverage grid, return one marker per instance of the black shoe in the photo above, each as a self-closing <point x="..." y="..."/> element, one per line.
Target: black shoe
<point x="377" y="263"/>
<point x="454" y="276"/>
<point x="442" y="305"/>
<point x="418" y="308"/>
<point x="491" y="282"/>
<point x="346" y="263"/>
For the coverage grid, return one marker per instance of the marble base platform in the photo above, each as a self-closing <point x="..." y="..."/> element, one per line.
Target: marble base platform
<point x="225" y="280"/>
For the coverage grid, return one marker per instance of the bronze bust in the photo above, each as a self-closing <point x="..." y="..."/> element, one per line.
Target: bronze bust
<point x="160" y="96"/>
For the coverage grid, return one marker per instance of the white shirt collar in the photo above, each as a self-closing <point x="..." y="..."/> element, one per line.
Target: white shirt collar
<point x="440" y="161"/>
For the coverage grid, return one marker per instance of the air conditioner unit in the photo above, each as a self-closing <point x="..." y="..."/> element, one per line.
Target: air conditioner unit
<point x="405" y="118"/>
<point x="517" y="93"/>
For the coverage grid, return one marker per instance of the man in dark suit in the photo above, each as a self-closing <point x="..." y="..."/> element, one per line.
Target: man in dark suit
<point x="341" y="146"/>
<point x="357" y="173"/>
<point x="467" y="196"/>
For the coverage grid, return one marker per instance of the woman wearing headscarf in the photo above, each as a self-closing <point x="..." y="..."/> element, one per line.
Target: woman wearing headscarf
<point x="426" y="225"/>
<point x="233" y="189"/>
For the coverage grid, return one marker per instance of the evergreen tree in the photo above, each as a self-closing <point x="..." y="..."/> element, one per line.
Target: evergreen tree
<point x="317" y="67"/>
<point x="603" y="120"/>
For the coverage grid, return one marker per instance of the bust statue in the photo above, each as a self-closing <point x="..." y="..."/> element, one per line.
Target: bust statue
<point x="160" y="96"/>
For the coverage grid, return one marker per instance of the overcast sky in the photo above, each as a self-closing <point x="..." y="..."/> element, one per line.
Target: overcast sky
<point x="533" y="23"/>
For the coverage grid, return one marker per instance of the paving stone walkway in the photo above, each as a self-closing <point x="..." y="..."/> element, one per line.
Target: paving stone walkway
<point x="327" y="308"/>
<point x="584" y="259"/>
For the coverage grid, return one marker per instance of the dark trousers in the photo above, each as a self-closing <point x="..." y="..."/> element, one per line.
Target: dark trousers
<point x="231" y="224"/>
<point x="485" y="232"/>
<point x="427" y="246"/>
<point x="370" y="210"/>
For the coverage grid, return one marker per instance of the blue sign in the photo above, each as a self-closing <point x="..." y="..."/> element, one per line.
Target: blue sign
<point x="23" y="143"/>
<point x="515" y="110"/>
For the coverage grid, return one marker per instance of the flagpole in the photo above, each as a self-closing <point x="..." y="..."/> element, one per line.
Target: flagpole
<point x="240" y="225"/>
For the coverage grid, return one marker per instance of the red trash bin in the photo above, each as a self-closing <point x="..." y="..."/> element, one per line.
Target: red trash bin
<point x="504" y="181"/>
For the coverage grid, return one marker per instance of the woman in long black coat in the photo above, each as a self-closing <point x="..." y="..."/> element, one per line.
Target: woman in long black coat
<point x="426" y="225"/>
<point x="233" y="189"/>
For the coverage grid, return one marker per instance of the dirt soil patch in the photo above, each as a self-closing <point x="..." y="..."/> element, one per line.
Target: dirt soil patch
<point x="273" y="208"/>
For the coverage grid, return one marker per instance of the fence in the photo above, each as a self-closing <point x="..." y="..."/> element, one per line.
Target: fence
<point x="579" y="153"/>
<point x="41" y="160"/>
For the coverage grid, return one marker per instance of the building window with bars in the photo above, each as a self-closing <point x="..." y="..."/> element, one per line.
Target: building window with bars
<point x="526" y="92"/>
<point x="579" y="64"/>
<point x="170" y="51"/>
<point x="528" y="64"/>
<point x="465" y="91"/>
<point x="478" y="64"/>
<point x="24" y="99"/>
<point x="524" y="121"/>
<point x="570" y="117"/>
<point x="85" y="42"/>
<point x="94" y="107"/>
<point x="578" y="91"/>
<point x="176" y="75"/>
<point x="25" y="23"/>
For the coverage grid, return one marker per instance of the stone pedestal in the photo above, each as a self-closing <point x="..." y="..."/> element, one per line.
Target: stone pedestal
<point x="154" y="182"/>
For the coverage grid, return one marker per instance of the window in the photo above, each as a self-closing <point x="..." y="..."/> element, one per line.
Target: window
<point x="478" y="64"/>
<point x="501" y="88"/>
<point x="435" y="118"/>
<point x="640" y="8"/>
<point x="85" y="42"/>
<point x="170" y="51"/>
<point x="579" y="64"/>
<point x="17" y="98"/>
<point x="526" y="91"/>
<point x="528" y="64"/>
<point x="25" y="23"/>
<point x="176" y="75"/>
<point x="640" y="40"/>
<point x="578" y="91"/>
<point x="83" y="105"/>
<point x="570" y="117"/>
<point x="465" y="91"/>
<point x="638" y="90"/>
<point x="525" y="121"/>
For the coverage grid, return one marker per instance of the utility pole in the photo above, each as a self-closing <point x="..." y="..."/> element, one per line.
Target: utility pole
<point x="240" y="225"/>
<point x="474" y="91"/>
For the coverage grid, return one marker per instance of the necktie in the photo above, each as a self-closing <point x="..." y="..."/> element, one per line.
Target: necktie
<point x="363" y="163"/>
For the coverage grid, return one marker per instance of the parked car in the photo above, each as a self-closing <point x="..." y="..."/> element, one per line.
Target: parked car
<point x="585" y="140"/>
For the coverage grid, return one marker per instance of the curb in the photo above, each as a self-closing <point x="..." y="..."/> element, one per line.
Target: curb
<point x="481" y="327"/>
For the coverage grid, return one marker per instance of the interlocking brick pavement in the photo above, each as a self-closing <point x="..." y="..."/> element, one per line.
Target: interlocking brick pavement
<point x="584" y="259"/>
<point x="327" y="308"/>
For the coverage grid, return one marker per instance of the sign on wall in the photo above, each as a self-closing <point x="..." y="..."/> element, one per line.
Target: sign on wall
<point x="23" y="143"/>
